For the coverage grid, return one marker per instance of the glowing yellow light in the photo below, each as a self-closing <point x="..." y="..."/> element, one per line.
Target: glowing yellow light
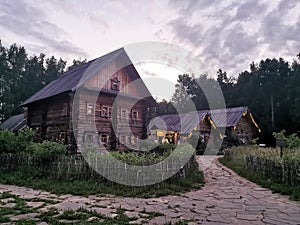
<point x="255" y="124"/>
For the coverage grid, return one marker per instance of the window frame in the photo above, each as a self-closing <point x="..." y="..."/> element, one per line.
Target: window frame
<point x="126" y="114"/>
<point x="87" y="109"/>
<point x="115" y="84"/>
<point x="137" y="115"/>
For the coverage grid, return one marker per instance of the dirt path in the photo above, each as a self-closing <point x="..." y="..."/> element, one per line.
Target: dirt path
<point x="225" y="199"/>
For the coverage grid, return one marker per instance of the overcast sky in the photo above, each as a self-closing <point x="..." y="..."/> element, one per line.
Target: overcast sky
<point x="223" y="34"/>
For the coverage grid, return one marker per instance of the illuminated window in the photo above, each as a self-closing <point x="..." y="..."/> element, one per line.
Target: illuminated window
<point x="90" y="109"/>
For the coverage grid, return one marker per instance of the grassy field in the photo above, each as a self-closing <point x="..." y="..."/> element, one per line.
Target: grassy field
<point x="265" y="167"/>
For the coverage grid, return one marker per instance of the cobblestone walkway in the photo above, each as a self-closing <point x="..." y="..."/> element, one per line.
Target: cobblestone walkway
<point x="225" y="199"/>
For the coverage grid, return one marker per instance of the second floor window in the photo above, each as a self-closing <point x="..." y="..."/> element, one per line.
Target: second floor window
<point x="134" y="115"/>
<point x="123" y="113"/>
<point x="90" y="109"/>
<point x="106" y="111"/>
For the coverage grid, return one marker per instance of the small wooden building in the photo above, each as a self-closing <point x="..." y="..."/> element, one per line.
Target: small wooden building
<point x="178" y="127"/>
<point x="81" y="104"/>
<point x="238" y="122"/>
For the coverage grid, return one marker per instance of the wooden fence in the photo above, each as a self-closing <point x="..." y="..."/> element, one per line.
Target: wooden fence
<point x="75" y="167"/>
<point x="281" y="170"/>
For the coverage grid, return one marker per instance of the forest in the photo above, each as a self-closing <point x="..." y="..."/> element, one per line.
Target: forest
<point x="270" y="88"/>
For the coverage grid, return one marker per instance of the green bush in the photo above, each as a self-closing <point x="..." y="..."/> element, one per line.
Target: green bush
<point x="293" y="141"/>
<point x="8" y="142"/>
<point x="15" y="142"/>
<point x="46" y="150"/>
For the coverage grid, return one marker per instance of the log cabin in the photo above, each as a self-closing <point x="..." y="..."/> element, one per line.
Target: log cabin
<point x="237" y="122"/>
<point x="178" y="127"/>
<point x="79" y="107"/>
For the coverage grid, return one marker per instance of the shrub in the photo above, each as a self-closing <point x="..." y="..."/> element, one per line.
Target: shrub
<point x="14" y="143"/>
<point x="46" y="150"/>
<point x="293" y="141"/>
<point x="8" y="142"/>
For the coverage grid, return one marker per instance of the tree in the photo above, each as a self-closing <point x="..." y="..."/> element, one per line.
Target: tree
<point x="77" y="62"/>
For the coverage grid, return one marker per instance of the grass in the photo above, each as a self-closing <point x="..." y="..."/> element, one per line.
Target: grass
<point x="240" y="168"/>
<point x="53" y="217"/>
<point x="193" y="180"/>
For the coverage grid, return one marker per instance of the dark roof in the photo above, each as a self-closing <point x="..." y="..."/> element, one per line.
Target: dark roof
<point x="74" y="78"/>
<point x="227" y="117"/>
<point x="14" y="123"/>
<point x="183" y="123"/>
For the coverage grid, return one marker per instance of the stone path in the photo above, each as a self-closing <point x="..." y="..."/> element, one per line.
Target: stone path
<point x="225" y="199"/>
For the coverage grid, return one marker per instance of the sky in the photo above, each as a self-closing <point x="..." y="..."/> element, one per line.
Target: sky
<point x="227" y="34"/>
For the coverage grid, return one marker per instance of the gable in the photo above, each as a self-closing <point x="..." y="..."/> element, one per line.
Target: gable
<point x="121" y="71"/>
<point x="79" y="76"/>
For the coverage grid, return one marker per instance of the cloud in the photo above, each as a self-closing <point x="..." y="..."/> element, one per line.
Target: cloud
<point x="24" y="20"/>
<point x="231" y="34"/>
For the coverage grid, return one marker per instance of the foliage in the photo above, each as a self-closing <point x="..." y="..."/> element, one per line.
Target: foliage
<point x="293" y="141"/>
<point x="22" y="75"/>
<point x="46" y="150"/>
<point x="13" y="143"/>
<point x="27" y="176"/>
<point x="265" y="167"/>
<point x="8" y="142"/>
<point x="269" y="88"/>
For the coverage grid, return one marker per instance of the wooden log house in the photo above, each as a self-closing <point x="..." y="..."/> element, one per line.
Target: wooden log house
<point x="178" y="127"/>
<point x="93" y="93"/>
<point x="237" y="122"/>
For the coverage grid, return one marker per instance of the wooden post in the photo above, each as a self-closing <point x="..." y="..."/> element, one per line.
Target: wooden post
<point x="281" y="143"/>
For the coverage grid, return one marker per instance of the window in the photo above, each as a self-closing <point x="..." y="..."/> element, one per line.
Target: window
<point x="103" y="138"/>
<point x="62" y="137"/>
<point x="123" y="113"/>
<point x="123" y="139"/>
<point x="90" y="109"/>
<point x="128" y="140"/>
<point x="88" y="139"/>
<point x="134" y="115"/>
<point x="106" y="111"/>
<point x="134" y="139"/>
<point x="64" y="109"/>
<point x="115" y="83"/>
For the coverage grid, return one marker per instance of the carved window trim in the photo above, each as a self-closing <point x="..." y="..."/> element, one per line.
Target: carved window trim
<point x="115" y="84"/>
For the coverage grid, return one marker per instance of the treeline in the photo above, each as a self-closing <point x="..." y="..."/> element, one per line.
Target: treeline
<point x="22" y="75"/>
<point x="271" y="90"/>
